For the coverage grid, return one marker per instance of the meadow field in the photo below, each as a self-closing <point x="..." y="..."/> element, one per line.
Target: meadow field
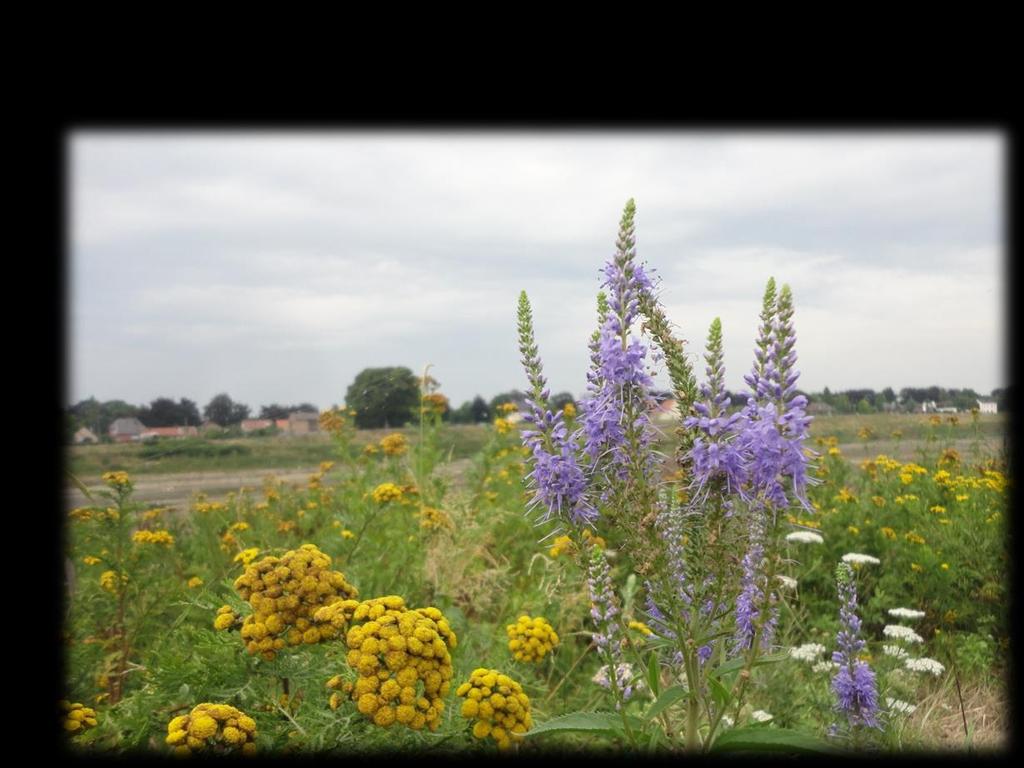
<point x="393" y="517"/>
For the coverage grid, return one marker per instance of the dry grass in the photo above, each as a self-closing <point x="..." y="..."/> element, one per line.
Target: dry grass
<point x="938" y="722"/>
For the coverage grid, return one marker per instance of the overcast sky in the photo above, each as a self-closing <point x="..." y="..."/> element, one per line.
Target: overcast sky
<point x="275" y="267"/>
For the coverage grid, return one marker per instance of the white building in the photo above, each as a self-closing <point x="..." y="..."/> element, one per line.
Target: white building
<point x="987" y="406"/>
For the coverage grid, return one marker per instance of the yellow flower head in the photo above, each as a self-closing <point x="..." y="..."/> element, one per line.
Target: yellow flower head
<point x="498" y="706"/>
<point x="503" y="426"/>
<point x="386" y="492"/>
<point x="569" y="411"/>
<point x="433" y="519"/>
<point x="218" y="728"/>
<point x="117" y="480"/>
<point x="507" y="408"/>
<point x="195" y="582"/>
<point x="246" y="556"/>
<point x="434" y="404"/>
<point x="163" y="538"/>
<point x="394" y="444"/>
<point x="284" y="593"/>
<point x="76" y="717"/>
<point x="531" y="639"/>
<point x="401" y="657"/>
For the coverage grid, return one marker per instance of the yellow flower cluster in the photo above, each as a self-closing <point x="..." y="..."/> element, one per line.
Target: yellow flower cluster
<point x="531" y="639"/>
<point x="285" y="526"/>
<point x="503" y="426"/>
<point x="117" y="479"/>
<point x="370" y="449"/>
<point x="333" y="422"/>
<point x="498" y="705"/>
<point x="394" y="444"/>
<point x="226" y="618"/>
<point x="392" y="650"/>
<point x="284" y="594"/>
<point x="865" y="433"/>
<point x="81" y="513"/>
<point x="569" y="411"/>
<point x="91" y="560"/>
<point x="804" y="523"/>
<point x="434" y="404"/>
<point x="433" y="519"/>
<point x="195" y="582"/>
<point x="108" y="580"/>
<point x="246" y="556"/>
<point x="949" y="456"/>
<point x="888" y="532"/>
<point x="878" y="501"/>
<point x="153" y="537"/>
<point x="152" y="514"/>
<point x="386" y="492"/>
<point x="844" y="495"/>
<point x="507" y="408"/>
<point x="204" y="507"/>
<point x="219" y="727"/>
<point x="564" y="544"/>
<point x="914" y="538"/>
<point x="77" y="717"/>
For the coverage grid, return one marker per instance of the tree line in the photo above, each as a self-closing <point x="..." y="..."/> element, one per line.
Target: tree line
<point x="391" y="397"/>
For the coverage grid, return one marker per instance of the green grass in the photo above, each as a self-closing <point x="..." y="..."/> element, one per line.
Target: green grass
<point x="462" y="441"/>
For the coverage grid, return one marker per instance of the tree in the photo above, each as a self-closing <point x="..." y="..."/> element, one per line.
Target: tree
<point x="164" y="412"/>
<point x="479" y="411"/>
<point x="384" y="397"/>
<point x="224" y="411"/>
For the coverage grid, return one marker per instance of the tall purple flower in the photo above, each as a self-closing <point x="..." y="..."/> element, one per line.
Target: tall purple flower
<point x="854" y="682"/>
<point x="615" y="407"/>
<point x="716" y="453"/>
<point x="559" y="483"/>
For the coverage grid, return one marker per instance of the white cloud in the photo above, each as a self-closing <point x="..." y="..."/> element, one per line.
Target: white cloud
<point x="276" y="267"/>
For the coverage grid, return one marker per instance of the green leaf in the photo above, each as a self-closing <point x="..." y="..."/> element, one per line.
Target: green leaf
<point x="584" y="721"/>
<point x="81" y="486"/>
<point x="667" y="699"/>
<point x="653" y="676"/>
<point x="758" y="739"/>
<point x="719" y="692"/>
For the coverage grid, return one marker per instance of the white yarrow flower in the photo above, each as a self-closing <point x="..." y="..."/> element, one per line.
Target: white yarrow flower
<point x="894" y="650"/>
<point x="899" y="632"/>
<point x="900" y="706"/>
<point x="805" y="537"/>
<point x="925" y="665"/>
<point x="854" y="557"/>
<point x="824" y="666"/>
<point x="807" y="652"/>
<point x="760" y="716"/>
<point x="906" y="613"/>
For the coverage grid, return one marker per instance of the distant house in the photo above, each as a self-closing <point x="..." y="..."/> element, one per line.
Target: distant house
<point x="173" y="432"/>
<point x="281" y="424"/>
<point x="126" y="429"/>
<point x="303" y="422"/>
<point x="85" y="435"/>
<point x="947" y="409"/>
<point x="252" y="425"/>
<point x="928" y="406"/>
<point x="987" y="406"/>
<point x="209" y="425"/>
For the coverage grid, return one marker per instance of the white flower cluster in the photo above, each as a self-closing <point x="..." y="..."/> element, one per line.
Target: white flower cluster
<point x="727" y="721"/>
<point x="824" y="666"/>
<point x="807" y="652"/>
<point x="899" y="632"/>
<point x="854" y="557"/>
<point x="901" y="707"/>
<point x="906" y="613"/>
<point x="894" y="650"/>
<point x="788" y="582"/>
<point x="760" y="716"/>
<point x="805" y="537"/>
<point x="925" y="665"/>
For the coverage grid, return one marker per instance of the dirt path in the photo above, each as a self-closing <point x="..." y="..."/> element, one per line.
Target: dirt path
<point x="175" y="490"/>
